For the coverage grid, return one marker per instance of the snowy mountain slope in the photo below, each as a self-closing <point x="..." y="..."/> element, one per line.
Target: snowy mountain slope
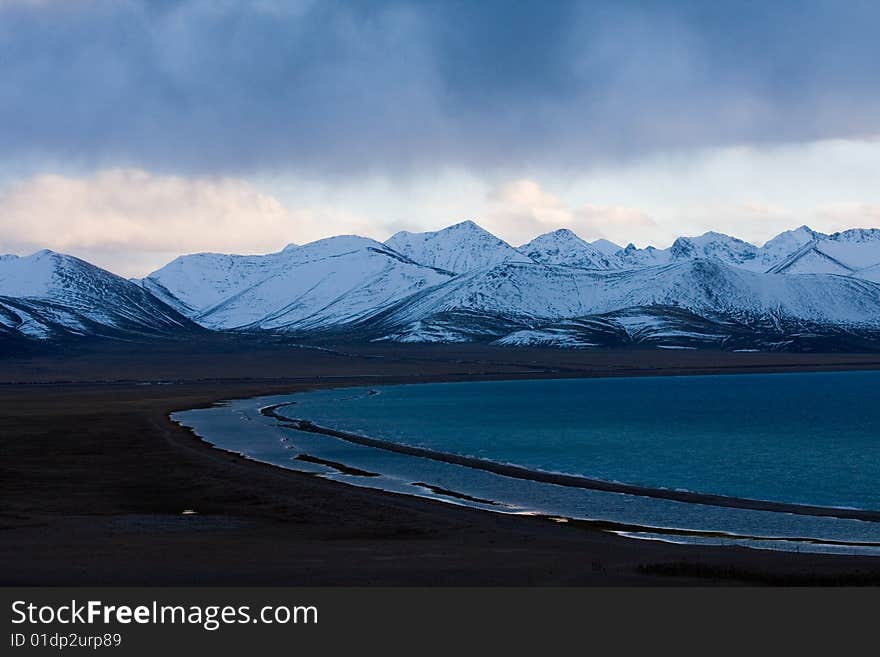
<point x="857" y="248"/>
<point x="563" y="247"/>
<point x="869" y="273"/>
<point x="48" y="295"/>
<point x="12" y="341"/>
<point x="801" y="290"/>
<point x="605" y="247"/>
<point x="534" y="295"/>
<point x="784" y="245"/>
<point x="300" y="289"/>
<point x="664" y="326"/>
<point x="632" y="257"/>
<point x="673" y="328"/>
<point x="17" y="319"/>
<point x="334" y="281"/>
<point x="443" y="327"/>
<point x="195" y="283"/>
<point x="729" y="250"/>
<point x="459" y="249"/>
<point x="846" y="253"/>
<point x="811" y="259"/>
<point x="732" y="251"/>
<point x="718" y="246"/>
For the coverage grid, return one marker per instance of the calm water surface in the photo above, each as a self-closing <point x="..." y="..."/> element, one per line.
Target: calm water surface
<point x="809" y="438"/>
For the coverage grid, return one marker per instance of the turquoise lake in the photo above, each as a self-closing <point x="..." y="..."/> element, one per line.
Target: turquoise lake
<point x="805" y="438"/>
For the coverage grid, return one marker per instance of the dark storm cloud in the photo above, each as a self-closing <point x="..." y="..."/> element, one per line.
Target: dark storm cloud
<point x="330" y="88"/>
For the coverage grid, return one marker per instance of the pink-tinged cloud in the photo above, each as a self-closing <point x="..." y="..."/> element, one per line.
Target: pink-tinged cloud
<point x="130" y="221"/>
<point x="522" y="209"/>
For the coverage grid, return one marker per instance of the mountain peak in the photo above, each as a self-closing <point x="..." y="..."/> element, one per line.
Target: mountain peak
<point x="556" y="236"/>
<point x="29" y="276"/>
<point x="856" y="235"/>
<point x="563" y="247"/>
<point x="683" y="247"/>
<point x="459" y="248"/>
<point x="467" y="224"/>
<point x="715" y="245"/>
<point x="800" y="235"/>
<point x="462" y="227"/>
<point x="53" y="294"/>
<point x="434" y="279"/>
<point x="338" y="242"/>
<point x="714" y="234"/>
<point x="606" y="247"/>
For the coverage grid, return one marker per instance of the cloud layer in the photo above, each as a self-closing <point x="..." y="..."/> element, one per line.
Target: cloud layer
<point x="522" y="210"/>
<point x="131" y="221"/>
<point x="332" y="89"/>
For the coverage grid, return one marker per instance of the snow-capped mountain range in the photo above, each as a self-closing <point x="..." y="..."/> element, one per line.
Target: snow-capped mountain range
<point x="801" y="290"/>
<point x="50" y="295"/>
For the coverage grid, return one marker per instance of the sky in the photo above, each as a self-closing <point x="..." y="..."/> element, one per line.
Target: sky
<point x="131" y="132"/>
